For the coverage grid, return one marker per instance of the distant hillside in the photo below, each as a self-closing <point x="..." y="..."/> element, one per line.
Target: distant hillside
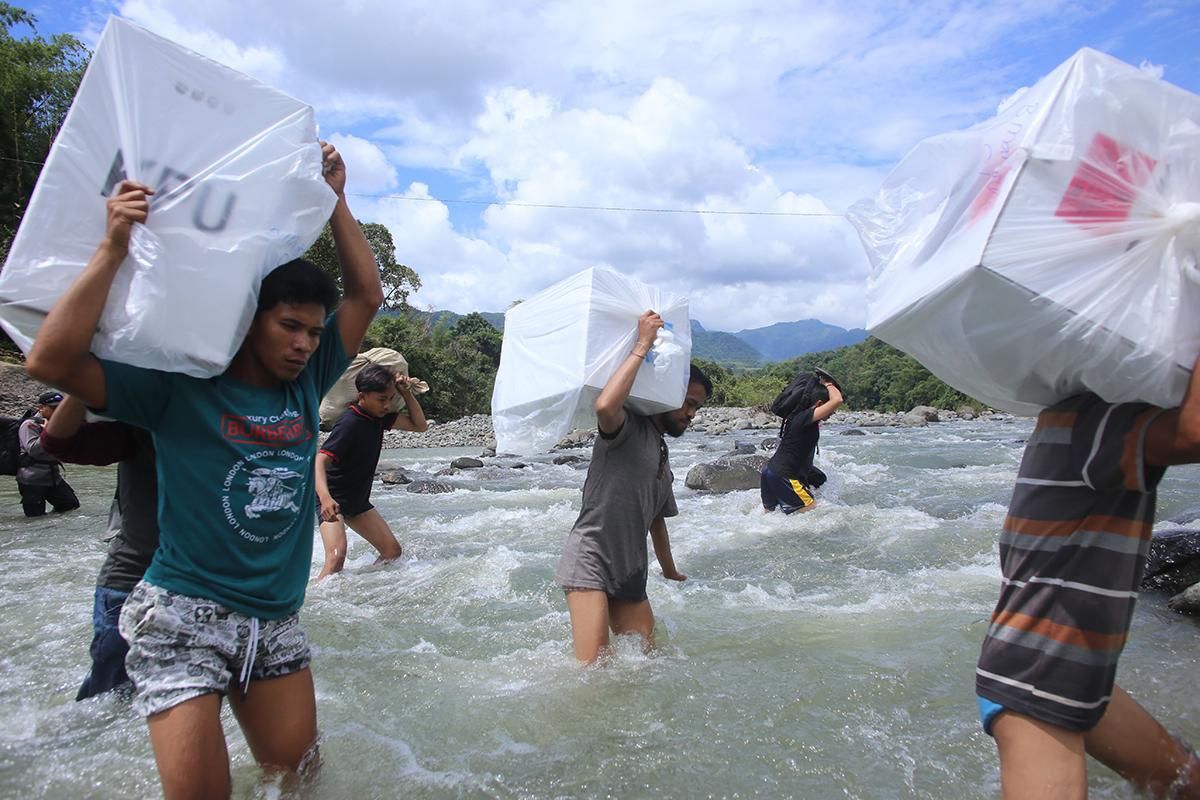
<point x="723" y="348"/>
<point x="496" y="318"/>
<point x="785" y="340"/>
<point x="873" y="374"/>
<point x="748" y="348"/>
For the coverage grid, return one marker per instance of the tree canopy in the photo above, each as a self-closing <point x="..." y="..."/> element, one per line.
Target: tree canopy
<point x="459" y="362"/>
<point x="398" y="280"/>
<point x="38" y="79"/>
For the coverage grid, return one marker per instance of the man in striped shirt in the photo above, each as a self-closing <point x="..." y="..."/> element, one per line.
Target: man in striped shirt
<point x="1072" y="555"/>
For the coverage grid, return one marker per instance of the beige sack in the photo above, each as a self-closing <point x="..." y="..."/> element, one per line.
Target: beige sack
<point x="343" y="392"/>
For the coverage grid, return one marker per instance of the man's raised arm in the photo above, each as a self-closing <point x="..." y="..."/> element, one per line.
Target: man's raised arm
<point x="362" y="291"/>
<point x="610" y="404"/>
<point x="61" y="354"/>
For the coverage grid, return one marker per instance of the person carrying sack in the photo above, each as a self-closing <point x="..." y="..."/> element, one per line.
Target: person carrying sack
<point x="787" y="481"/>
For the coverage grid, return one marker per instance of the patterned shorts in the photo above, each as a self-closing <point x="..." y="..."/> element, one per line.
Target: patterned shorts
<point x="183" y="647"/>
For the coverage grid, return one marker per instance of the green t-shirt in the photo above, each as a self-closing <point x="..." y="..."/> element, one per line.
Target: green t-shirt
<point x="235" y="485"/>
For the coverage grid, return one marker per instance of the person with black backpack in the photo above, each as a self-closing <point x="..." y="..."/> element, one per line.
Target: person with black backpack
<point x="788" y="480"/>
<point x="39" y="475"/>
<point x="74" y="440"/>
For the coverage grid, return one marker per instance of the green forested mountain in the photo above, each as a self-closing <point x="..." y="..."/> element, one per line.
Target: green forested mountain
<point x="873" y="374"/>
<point x="449" y="318"/>
<point x="723" y="348"/>
<point x="459" y="357"/>
<point x="748" y="348"/>
<point x="785" y="340"/>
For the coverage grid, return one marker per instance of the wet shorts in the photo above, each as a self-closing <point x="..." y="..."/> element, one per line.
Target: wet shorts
<point x="351" y="508"/>
<point x="183" y="647"/>
<point x="786" y="494"/>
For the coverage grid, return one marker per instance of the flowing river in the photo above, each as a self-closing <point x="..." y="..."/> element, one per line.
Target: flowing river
<point x="825" y="655"/>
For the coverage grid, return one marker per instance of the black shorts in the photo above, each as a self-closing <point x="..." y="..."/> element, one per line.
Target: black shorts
<point x="348" y="508"/>
<point x="787" y="494"/>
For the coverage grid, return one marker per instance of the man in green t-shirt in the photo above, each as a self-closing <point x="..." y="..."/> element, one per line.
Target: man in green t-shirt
<point x="217" y="611"/>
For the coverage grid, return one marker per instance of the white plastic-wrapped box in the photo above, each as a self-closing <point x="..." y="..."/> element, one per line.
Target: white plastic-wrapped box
<point x="1052" y="249"/>
<point x="236" y="169"/>
<point x="561" y="347"/>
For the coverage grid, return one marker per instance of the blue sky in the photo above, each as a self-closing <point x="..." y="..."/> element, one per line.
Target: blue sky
<point x="796" y="107"/>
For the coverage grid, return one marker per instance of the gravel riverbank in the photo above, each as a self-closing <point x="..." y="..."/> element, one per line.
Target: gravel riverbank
<point x="477" y="430"/>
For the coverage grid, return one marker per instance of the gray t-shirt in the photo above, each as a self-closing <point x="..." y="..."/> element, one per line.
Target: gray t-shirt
<point x="628" y="486"/>
<point x="38" y="468"/>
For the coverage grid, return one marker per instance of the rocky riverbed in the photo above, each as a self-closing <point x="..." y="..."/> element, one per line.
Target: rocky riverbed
<point x="18" y="391"/>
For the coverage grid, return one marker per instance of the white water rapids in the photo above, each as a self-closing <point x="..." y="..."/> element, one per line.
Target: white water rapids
<point x="824" y="655"/>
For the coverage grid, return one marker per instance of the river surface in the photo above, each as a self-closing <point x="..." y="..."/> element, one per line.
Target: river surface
<point x="824" y="655"/>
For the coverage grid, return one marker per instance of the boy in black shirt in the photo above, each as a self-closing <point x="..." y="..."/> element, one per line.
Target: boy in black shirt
<point x="789" y="477"/>
<point x="345" y="465"/>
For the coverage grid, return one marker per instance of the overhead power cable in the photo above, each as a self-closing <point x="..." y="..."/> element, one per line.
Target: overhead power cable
<point x="567" y="206"/>
<point x="574" y="207"/>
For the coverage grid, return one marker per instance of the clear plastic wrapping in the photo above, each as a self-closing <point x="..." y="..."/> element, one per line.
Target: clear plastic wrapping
<point x="1052" y="249"/>
<point x="236" y="168"/>
<point x="561" y="347"/>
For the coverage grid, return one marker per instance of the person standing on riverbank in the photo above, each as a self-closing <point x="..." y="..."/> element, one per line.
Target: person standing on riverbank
<point x="788" y="480"/>
<point x="345" y="465"/>
<point x="134" y="521"/>
<point x="216" y="614"/>
<point x="39" y="476"/>
<point x="604" y="564"/>
<point x="1072" y="555"/>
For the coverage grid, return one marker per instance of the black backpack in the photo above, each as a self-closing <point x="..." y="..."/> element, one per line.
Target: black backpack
<point x="797" y="395"/>
<point x="11" y="457"/>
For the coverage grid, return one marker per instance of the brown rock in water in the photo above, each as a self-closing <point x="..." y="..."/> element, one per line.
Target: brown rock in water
<point x="394" y="477"/>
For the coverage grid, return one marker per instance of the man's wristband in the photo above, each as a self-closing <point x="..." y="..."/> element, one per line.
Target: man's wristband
<point x="640" y="356"/>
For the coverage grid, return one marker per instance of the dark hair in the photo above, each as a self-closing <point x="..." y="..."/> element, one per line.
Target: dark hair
<point x="374" y="378"/>
<point x="699" y="377"/>
<point x="819" y="395"/>
<point x="297" y="282"/>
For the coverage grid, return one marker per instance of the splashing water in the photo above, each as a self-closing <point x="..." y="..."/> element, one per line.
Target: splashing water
<point x="826" y="654"/>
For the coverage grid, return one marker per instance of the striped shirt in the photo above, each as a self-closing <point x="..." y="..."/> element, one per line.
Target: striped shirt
<point x="1072" y="555"/>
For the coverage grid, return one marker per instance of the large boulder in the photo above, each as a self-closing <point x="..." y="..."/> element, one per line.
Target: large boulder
<point x="466" y="462"/>
<point x="394" y="477"/>
<point x="741" y="447"/>
<point x="726" y="474"/>
<point x="569" y="459"/>
<point x="926" y="413"/>
<point x="764" y="420"/>
<point x="576" y="438"/>
<point x="1187" y="601"/>
<point x="1173" y="563"/>
<point x="429" y="487"/>
<point x="966" y="412"/>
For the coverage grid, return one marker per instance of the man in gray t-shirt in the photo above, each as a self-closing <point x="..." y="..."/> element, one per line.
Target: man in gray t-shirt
<point x="627" y="493"/>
